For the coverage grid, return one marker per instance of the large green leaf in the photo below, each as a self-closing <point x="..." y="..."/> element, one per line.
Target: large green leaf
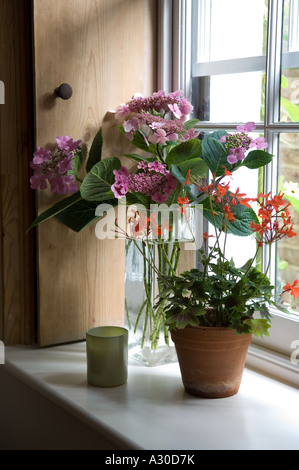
<point x="176" y="172"/>
<point x="243" y="216"/>
<point x="214" y="153"/>
<point x="184" y="151"/>
<point x="138" y="198"/>
<point x="256" y="159"/>
<point x="95" y="153"/>
<point x="97" y="183"/>
<point x="81" y="214"/>
<point x="197" y="167"/>
<point x="139" y="158"/>
<point x="174" y="195"/>
<point x="56" y="209"/>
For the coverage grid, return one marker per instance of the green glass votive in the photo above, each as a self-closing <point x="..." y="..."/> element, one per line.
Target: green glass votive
<point x="107" y="356"/>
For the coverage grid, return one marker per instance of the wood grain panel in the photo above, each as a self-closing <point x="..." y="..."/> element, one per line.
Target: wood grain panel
<point x="105" y="49"/>
<point x="17" y="286"/>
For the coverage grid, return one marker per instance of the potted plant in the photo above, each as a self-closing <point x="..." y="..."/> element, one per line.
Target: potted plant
<point x="211" y="311"/>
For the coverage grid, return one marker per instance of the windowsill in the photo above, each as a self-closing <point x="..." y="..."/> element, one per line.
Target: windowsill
<point x="152" y="411"/>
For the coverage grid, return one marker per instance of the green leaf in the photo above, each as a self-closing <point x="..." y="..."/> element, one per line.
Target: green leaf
<point x="184" y="151"/>
<point x="174" y="195"/>
<point x="79" y="215"/>
<point x="56" y="209"/>
<point x="97" y="183"/>
<point x="291" y="109"/>
<point x="259" y="326"/>
<point x="181" y="318"/>
<point x="243" y="216"/>
<point x="190" y="124"/>
<point x="138" y="198"/>
<point x="181" y="178"/>
<point x="294" y="202"/>
<point x="197" y="166"/>
<point x="95" y="153"/>
<point x="138" y="158"/>
<point x="178" y="174"/>
<point x="77" y="161"/>
<point x="256" y="159"/>
<point x="214" y="153"/>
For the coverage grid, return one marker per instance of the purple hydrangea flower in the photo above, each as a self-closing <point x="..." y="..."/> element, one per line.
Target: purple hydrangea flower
<point x="237" y="144"/>
<point x="153" y="180"/>
<point x="53" y="166"/>
<point x="150" y="116"/>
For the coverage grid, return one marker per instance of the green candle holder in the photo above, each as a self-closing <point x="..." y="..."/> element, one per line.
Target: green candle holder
<point x="107" y="356"/>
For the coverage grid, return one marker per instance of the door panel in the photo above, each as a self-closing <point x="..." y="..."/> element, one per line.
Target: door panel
<point x="105" y="49"/>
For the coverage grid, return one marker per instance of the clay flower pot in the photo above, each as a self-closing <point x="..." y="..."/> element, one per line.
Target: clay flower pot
<point x="211" y="360"/>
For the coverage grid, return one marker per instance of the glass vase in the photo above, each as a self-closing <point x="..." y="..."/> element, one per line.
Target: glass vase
<point x="149" y="338"/>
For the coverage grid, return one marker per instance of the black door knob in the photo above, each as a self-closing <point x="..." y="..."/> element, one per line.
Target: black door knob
<point x="64" y="91"/>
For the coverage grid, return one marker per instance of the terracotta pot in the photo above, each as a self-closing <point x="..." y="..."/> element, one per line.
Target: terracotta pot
<point x="211" y="360"/>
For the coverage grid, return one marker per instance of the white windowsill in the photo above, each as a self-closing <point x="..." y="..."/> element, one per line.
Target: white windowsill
<point x="152" y="411"/>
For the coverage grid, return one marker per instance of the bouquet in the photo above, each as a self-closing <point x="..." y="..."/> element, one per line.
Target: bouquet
<point x="175" y="164"/>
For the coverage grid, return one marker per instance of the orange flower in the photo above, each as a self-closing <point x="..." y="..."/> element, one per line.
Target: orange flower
<point x="293" y="289"/>
<point x="205" y="236"/>
<point x="228" y="213"/>
<point x="188" y="179"/>
<point x="226" y="172"/>
<point x="183" y="200"/>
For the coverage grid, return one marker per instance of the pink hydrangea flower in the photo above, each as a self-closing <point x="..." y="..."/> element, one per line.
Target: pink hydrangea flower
<point x="66" y="143"/>
<point x="41" y="155"/>
<point x="121" y="185"/>
<point x="158" y="128"/>
<point x="248" y="127"/>
<point x="153" y="180"/>
<point x="235" y="155"/>
<point x="53" y="166"/>
<point x="158" y="137"/>
<point x="259" y="143"/>
<point x="175" y="110"/>
<point x="240" y="142"/>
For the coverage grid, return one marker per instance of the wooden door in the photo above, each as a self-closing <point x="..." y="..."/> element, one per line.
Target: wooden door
<point x="105" y="49"/>
<point x="16" y="198"/>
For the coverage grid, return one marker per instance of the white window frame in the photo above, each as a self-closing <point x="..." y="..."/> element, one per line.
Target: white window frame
<point x="278" y="354"/>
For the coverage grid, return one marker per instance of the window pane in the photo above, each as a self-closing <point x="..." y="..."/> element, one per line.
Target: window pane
<point x="290" y="26"/>
<point x="241" y="249"/>
<point x="229" y="98"/>
<point x="288" y="249"/>
<point x="289" y="110"/>
<point x="223" y="33"/>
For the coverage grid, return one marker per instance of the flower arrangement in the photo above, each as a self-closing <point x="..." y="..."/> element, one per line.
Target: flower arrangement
<point x="173" y="167"/>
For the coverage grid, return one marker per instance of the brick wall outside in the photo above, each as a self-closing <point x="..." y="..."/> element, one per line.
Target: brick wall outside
<point x="288" y="248"/>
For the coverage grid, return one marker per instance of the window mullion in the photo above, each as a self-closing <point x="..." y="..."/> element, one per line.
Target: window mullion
<point x="272" y="110"/>
<point x="273" y="63"/>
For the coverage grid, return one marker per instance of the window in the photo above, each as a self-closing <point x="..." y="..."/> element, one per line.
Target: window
<point x="239" y="62"/>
